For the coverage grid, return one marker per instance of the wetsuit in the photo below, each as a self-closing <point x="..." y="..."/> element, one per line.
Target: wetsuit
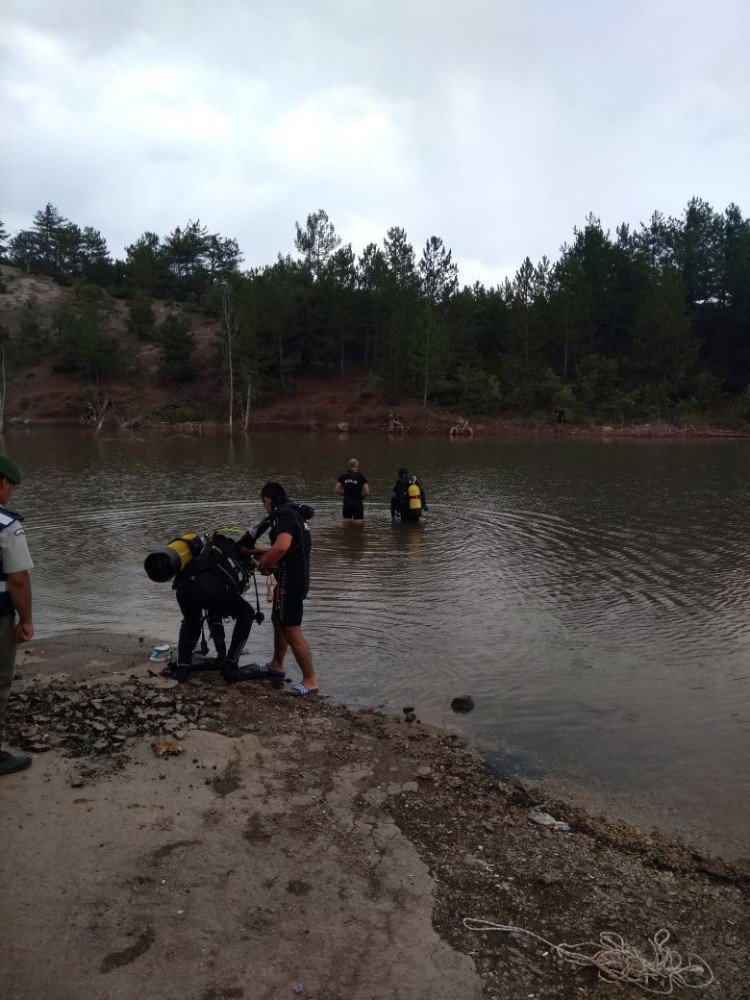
<point x="212" y="585"/>
<point x="293" y="571"/>
<point x="353" y="507"/>
<point x="400" y="499"/>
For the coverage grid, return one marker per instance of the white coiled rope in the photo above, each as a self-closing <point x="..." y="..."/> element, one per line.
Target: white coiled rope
<point x="619" y="962"/>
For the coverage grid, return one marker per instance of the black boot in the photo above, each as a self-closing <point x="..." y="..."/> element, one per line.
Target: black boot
<point x="11" y="763"/>
<point x="181" y="672"/>
<point x="230" y="671"/>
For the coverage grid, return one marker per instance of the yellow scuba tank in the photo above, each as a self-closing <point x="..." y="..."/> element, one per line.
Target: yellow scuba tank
<point x="162" y="564"/>
<point x="415" y="497"/>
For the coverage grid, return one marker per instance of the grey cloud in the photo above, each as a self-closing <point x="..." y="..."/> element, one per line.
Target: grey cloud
<point x="497" y="127"/>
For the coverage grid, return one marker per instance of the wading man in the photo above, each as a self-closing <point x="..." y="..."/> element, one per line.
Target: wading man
<point x="355" y="489"/>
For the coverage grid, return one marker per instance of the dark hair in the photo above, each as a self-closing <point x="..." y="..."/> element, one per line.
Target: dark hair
<point x="402" y="473"/>
<point x="275" y="493"/>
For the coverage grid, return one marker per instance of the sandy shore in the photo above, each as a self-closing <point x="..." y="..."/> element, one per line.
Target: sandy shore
<point x="298" y="848"/>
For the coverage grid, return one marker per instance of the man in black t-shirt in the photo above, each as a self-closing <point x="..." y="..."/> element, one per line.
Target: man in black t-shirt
<point x="289" y="561"/>
<point x="354" y="488"/>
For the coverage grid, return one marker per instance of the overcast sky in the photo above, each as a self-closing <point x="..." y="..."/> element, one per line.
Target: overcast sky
<point x="497" y="125"/>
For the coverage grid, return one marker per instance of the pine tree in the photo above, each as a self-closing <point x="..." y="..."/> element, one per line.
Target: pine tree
<point x="177" y="350"/>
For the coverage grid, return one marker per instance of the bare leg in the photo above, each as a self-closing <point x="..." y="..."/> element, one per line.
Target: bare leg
<point x="279" y="649"/>
<point x="293" y="637"/>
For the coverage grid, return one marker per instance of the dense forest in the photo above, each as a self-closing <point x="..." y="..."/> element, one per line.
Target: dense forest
<point x="652" y="322"/>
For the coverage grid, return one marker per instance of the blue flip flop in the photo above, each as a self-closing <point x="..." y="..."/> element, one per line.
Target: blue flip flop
<point x="261" y="672"/>
<point x="301" y="691"/>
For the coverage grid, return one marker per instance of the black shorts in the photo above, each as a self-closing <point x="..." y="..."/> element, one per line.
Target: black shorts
<point x="353" y="511"/>
<point x="288" y="598"/>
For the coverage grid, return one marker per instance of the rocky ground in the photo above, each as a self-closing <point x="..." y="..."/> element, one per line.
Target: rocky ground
<point x="298" y="848"/>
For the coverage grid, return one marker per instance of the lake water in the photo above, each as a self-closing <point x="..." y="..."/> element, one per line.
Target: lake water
<point x="591" y="596"/>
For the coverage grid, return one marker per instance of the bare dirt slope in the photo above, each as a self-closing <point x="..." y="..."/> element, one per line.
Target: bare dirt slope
<point x="299" y="846"/>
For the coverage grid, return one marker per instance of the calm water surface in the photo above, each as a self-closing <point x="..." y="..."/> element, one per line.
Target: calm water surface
<point x="592" y="597"/>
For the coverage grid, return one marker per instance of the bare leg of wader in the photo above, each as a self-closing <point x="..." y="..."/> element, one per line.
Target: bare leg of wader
<point x="292" y="636"/>
<point x="280" y="647"/>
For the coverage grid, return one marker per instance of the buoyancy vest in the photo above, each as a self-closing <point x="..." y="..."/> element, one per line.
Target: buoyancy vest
<point x="7" y="518"/>
<point x="220" y="555"/>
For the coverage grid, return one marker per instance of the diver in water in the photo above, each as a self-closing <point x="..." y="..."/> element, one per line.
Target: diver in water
<point x="408" y="498"/>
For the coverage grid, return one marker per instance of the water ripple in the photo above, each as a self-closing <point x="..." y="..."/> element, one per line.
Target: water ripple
<point x="594" y="600"/>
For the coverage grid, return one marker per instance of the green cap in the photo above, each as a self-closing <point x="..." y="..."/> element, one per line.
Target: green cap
<point x="9" y="469"/>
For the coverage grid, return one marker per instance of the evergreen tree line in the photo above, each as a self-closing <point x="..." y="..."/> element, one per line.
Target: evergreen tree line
<point x="650" y="321"/>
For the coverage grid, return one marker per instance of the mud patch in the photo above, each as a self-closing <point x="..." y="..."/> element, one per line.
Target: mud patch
<point x="222" y="993"/>
<point x="229" y="780"/>
<point x="297" y="887"/>
<point x="166" y="849"/>
<point x="256" y="831"/>
<point x="116" y="959"/>
<point x="259" y="922"/>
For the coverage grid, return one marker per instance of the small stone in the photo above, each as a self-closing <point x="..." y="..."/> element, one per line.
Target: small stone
<point x="548" y="878"/>
<point x="464" y="703"/>
<point x="410" y="786"/>
<point x="544" y="819"/>
<point x="407" y="709"/>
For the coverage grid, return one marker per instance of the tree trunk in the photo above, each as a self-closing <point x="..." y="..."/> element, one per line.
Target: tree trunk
<point x="426" y="368"/>
<point x="228" y="327"/>
<point x="246" y="415"/>
<point x="526" y="338"/>
<point x="102" y="415"/>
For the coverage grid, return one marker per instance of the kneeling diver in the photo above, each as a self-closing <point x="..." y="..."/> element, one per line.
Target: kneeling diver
<point x="210" y="575"/>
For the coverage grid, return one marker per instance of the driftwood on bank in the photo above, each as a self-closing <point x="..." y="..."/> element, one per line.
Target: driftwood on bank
<point x="461" y="429"/>
<point x="96" y="411"/>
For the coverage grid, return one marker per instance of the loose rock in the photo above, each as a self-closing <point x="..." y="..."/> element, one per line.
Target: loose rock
<point x="464" y="703"/>
<point x="91" y="719"/>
